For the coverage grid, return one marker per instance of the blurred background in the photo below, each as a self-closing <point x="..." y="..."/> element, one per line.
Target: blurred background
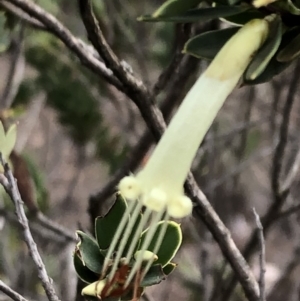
<point x="76" y="132"/>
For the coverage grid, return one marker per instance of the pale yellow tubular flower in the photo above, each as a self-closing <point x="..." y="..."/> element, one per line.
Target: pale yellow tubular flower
<point x="159" y="186"/>
<point x="161" y="181"/>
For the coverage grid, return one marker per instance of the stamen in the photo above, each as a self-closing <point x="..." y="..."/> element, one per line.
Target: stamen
<point x="124" y="240"/>
<point x="156" y="217"/>
<point x="137" y="235"/>
<point x="117" y="236"/>
<point x="160" y="238"/>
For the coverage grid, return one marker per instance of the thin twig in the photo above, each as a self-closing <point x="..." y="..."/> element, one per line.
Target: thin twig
<point x="262" y="256"/>
<point x="278" y="159"/>
<point x="10" y="292"/>
<point x="98" y="40"/>
<point x="257" y="156"/>
<point x="134" y="88"/>
<point x="54" y="227"/>
<point x="22" y="15"/>
<point x="36" y="229"/>
<point x="289" y="179"/>
<point x="222" y="235"/>
<point x="279" y="197"/>
<point x="128" y="26"/>
<point x="9" y="183"/>
<point x="83" y="51"/>
<point x="183" y="33"/>
<point x="16" y="71"/>
<point x="288" y="212"/>
<point x="285" y="276"/>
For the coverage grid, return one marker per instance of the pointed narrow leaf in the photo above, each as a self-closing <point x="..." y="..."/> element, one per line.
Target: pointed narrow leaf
<point x="7" y="140"/>
<point x="199" y="15"/>
<point x="267" y="51"/>
<point x="244" y="17"/>
<point x="83" y="272"/>
<point x="89" y="252"/>
<point x="154" y="276"/>
<point x="274" y="68"/>
<point x="170" y="244"/>
<point x="287" y="5"/>
<point x="169" y="268"/>
<point x="291" y="51"/>
<point x="106" y="226"/>
<point x="2" y="140"/>
<point x="10" y="140"/>
<point x="173" y="7"/>
<point x="208" y="44"/>
<point x="287" y="38"/>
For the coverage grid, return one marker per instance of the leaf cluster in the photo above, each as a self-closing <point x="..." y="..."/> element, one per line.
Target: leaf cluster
<point x="90" y="253"/>
<point x="280" y="49"/>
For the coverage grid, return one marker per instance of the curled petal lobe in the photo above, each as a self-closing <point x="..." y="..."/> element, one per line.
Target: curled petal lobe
<point x="156" y="199"/>
<point x="180" y="207"/>
<point x="129" y="187"/>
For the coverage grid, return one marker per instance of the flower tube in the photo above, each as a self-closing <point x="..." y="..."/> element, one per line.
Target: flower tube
<point x="161" y="181"/>
<point x="159" y="185"/>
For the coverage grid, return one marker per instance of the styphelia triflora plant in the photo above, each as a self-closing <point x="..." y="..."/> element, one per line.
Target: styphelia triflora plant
<point x="136" y="241"/>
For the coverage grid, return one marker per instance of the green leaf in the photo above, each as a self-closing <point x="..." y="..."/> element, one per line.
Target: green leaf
<point x="173" y="7"/>
<point x="244" y="17"/>
<point x="170" y="244"/>
<point x="287" y="5"/>
<point x="89" y="252"/>
<point x="2" y="135"/>
<point x="208" y="44"/>
<point x="10" y="141"/>
<point x="201" y="14"/>
<point x="83" y="272"/>
<point x="7" y="140"/>
<point x="267" y="51"/>
<point x="106" y="226"/>
<point x="154" y="276"/>
<point x="291" y="51"/>
<point x="274" y="68"/>
<point x="169" y="268"/>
